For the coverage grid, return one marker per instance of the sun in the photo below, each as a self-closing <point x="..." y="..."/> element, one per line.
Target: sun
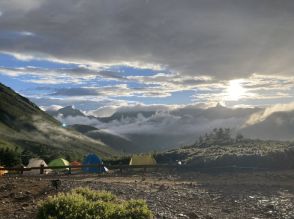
<point x="235" y="90"/>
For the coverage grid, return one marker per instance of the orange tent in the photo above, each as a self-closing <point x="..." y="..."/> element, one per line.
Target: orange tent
<point x="2" y="172"/>
<point x="76" y="163"/>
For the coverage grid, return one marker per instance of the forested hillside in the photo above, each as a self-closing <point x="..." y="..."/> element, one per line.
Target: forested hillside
<point x="29" y="131"/>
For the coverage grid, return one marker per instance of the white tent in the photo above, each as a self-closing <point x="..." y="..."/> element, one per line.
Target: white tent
<point x="36" y="162"/>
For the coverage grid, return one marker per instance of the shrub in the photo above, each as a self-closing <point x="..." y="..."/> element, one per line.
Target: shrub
<point x="136" y="209"/>
<point x="93" y="195"/>
<point x="9" y="157"/>
<point x="84" y="203"/>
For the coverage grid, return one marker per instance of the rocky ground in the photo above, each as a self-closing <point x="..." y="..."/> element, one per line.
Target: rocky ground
<point x="169" y="195"/>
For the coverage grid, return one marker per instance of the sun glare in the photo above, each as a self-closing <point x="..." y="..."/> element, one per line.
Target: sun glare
<point x="235" y="90"/>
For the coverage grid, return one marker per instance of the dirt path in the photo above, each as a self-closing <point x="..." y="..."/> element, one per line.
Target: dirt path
<point x="192" y="195"/>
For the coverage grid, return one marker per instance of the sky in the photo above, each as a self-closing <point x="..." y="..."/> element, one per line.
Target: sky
<point x="100" y="54"/>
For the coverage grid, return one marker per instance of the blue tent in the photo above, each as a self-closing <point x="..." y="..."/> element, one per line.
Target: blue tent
<point x="93" y="159"/>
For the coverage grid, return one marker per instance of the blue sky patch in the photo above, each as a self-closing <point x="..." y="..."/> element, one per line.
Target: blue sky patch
<point x="10" y="61"/>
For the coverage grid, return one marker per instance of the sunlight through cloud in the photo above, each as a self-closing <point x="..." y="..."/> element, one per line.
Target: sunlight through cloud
<point x="235" y="90"/>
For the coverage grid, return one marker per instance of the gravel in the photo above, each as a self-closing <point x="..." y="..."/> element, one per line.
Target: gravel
<point x="257" y="196"/>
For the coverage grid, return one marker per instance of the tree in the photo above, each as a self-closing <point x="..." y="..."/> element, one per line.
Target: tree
<point x="218" y="136"/>
<point x="227" y="134"/>
<point x="26" y="155"/>
<point x="239" y="137"/>
<point x="9" y="157"/>
<point x="200" y="140"/>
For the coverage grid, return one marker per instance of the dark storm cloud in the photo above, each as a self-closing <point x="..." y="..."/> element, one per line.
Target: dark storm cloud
<point x="222" y="38"/>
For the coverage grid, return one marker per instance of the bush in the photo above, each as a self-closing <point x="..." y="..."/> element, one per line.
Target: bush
<point x="9" y="157"/>
<point x="136" y="209"/>
<point x="84" y="203"/>
<point x="92" y="195"/>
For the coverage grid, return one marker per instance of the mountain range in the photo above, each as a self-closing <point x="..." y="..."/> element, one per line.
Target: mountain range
<point x="129" y="130"/>
<point x="132" y="130"/>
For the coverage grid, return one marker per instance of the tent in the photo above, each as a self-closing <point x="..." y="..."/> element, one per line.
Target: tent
<point x="75" y="163"/>
<point x="59" y="162"/>
<point x="36" y="162"/>
<point x="2" y="172"/>
<point x="93" y="159"/>
<point x="142" y="160"/>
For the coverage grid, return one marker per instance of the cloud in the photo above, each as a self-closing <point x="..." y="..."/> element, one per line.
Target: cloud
<point x="20" y="6"/>
<point x="122" y="107"/>
<point x="107" y="111"/>
<point x="164" y="126"/>
<point x="197" y="47"/>
<point x="51" y="108"/>
<point x="157" y="85"/>
<point x="104" y="111"/>
<point x="263" y="115"/>
<point x="58" y="134"/>
<point x="81" y="103"/>
<point x="94" y="85"/>
<point x="191" y="120"/>
<point x="57" y="75"/>
<point x="174" y="81"/>
<point x="147" y="108"/>
<point x="180" y="125"/>
<point x="223" y="39"/>
<point x="70" y="120"/>
<point x="77" y="92"/>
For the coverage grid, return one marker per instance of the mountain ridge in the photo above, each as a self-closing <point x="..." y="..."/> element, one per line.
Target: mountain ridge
<point x="150" y="130"/>
<point x="25" y="126"/>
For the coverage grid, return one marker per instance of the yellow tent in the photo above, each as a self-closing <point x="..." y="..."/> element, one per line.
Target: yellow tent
<point x="142" y="160"/>
<point x="2" y="172"/>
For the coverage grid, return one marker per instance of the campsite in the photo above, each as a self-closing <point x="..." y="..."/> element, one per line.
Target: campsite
<point x="170" y="191"/>
<point x="146" y="109"/>
<point x="170" y="184"/>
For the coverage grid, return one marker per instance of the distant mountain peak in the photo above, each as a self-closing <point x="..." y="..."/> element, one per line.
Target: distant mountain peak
<point x="219" y="105"/>
<point x="67" y="111"/>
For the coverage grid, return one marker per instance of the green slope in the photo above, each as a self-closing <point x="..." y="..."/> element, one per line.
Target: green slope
<point x="25" y="125"/>
<point x="116" y="142"/>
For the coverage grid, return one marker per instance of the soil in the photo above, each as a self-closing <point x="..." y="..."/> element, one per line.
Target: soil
<point x="253" y="195"/>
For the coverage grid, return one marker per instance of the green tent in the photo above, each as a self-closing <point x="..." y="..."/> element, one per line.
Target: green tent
<point x="59" y="162"/>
